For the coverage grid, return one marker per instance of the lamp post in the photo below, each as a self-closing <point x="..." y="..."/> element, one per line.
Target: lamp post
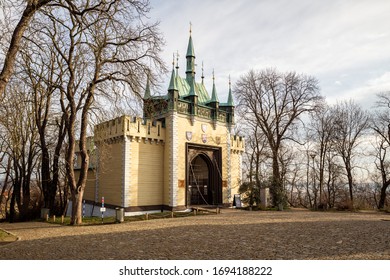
<point x="313" y="155"/>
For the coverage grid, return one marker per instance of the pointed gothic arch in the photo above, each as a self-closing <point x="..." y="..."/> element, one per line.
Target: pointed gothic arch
<point x="204" y="176"/>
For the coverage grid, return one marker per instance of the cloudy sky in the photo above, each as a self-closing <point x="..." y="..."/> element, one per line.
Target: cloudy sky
<point x="345" y="44"/>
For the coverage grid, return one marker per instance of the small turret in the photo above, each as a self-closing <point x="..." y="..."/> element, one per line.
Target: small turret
<point x="214" y="97"/>
<point x="214" y="102"/>
<point x="173" y="92"/>
<point x="193" y="97"/>
<point x="230" y="101"/>
<point x="230" y="105"/>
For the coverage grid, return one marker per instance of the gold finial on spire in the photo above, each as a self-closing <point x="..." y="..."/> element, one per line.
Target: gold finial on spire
<point x="190" y="27"/>
<point x="213" y="75"/>
<point x="173" y="60"/>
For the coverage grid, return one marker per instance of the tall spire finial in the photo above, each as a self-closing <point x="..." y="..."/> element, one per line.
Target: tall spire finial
<point x="202" y="72"/>
<point x="214" y="96"/>
<point x="177" y="63"/>
<point x="190" y="28"/>
<point x="190" y="56"/>
<point x="172" y="83"/>
<point x="230" y="101"/>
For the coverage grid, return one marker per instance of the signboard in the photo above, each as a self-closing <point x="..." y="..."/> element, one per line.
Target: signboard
<point x="103" y="209"/>
<point x="237" y="201"/>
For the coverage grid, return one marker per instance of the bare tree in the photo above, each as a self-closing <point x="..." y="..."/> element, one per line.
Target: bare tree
<point x="94" y="47"/>
<point x="5" y="165"/>
<point x="321" y="132"/>
<point x="381" y="126"/>
<point x="20" y="135"/>
<point x="32" y="6"/>
<point x="351" y="122"/>
<point x="38" y="73"/>
<point x="255" y="158"/>
<point x="100" y="43"/>
<point x="277" y="102"/>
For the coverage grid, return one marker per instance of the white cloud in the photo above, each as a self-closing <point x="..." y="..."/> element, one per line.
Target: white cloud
<point x="366" y="92"/>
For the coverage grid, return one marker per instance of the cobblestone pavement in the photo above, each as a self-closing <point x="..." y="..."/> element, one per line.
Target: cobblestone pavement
<point x="234" y="234"/>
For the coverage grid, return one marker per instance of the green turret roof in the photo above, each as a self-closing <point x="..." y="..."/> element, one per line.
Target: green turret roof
<point x="190" y="48"/>
<point x="230" y="101"/>
<point x="214" y="97"/>
<point x="172" y="83"/>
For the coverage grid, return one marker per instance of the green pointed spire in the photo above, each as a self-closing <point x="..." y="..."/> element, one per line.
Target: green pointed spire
<point x="190" y="48"/>
<point x="147" y="89"/>
<point x="230" y="101"/>
<point x="214" y="97"/>
<point x="190" y="56"/>
<point x="172" y="83"/>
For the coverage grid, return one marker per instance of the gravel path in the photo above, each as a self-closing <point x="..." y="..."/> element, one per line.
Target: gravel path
<point x="234" y="234"/>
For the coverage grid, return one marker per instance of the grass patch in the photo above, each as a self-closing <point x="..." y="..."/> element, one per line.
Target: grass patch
<point x="3" y="234"/>
<point x="6" y="237"/>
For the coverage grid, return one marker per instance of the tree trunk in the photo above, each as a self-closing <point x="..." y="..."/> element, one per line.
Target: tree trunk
<point x="382" y="198"/>
<point x="77" y="206"/>
<point x="69" y="158"/>
<point x="7" y="173"/>
<point x="45" y="173"/>
<point x="9" y="61"/>
<point x="12" y="211"/>
<point x="350" y="183"/>
<point x="277" y="187"/>
<point x="55" y="167"/>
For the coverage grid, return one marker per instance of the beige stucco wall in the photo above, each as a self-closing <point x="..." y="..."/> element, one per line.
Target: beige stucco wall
<point x="146" y="172"/>
<point x="89" y="191"/>
<point x="110" y="170"/>
<point x="236" y="175"/>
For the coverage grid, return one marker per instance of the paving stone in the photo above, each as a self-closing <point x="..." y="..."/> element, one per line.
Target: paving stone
<point x="235" y="234"/>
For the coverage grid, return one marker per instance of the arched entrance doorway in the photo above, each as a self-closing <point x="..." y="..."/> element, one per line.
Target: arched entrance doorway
<point x="204" y="178"/>
<point x="199" y="181"/>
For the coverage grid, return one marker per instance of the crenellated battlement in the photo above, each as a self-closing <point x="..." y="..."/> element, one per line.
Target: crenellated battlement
<point x="130" y="126"/>
<point x="237" y="143"/>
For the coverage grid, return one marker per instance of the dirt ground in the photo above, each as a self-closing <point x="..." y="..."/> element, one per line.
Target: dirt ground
<point x="234" y="234"/>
